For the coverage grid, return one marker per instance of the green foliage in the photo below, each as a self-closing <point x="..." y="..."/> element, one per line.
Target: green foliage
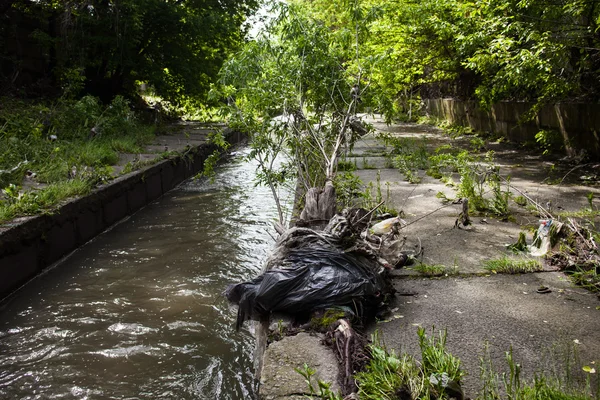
<point x="409" y="156"/>
<point x="590" y="199"/>
<point x="346" y="166"/>
<point x="216" y="138"/>
<point x="520" y="200"/>
<point x="323" y="322"/>
<point x="19" y="203"/>
<point x="488" y="51"/>
<point x="435" y="269"/>
<point x="348" y="189"/>
<point x="477" y="177"/>
<point x="507" y="265"/>
<point x="436" y="359"/>
<point x="74" y="161"/>
<point x="290" y="91"/>
<point x="472" y="187"/>
<point x="323" y="389"/>
<point x="549" y="140"/>
<point x="520" y="246"/>
<point x="107" y="48"/>
<point x="390" y="376"/>
<point x="477" y="144"/>
<point x="454" y="130"/>
<point x="498" y="205"/>
<point x="373" y="197"/>
<point x="588" y="277"/>
<point x="387" y="373"/>
<point x="543" y="387"/>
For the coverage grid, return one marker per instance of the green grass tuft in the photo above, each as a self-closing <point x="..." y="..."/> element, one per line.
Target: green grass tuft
<point x="435" y="269"/>
<point x="507" y="265"/>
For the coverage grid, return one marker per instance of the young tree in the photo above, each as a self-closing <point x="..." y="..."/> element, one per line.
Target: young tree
<point x="292" y="91"/>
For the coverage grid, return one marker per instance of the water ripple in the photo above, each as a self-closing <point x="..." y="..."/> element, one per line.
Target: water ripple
<point x="139" y="313"/>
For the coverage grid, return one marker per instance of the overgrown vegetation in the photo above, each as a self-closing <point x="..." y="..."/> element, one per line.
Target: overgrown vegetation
<point x="290" y="89"/>
<point x="392" y="376"/>
<point x="108" y="48"/>
<point x="558" y="385"/>
<point x="487" y="51"/>
<point x="474" y="178"/>
<point x="53" y="151"/>
<point x="438" y="374"/>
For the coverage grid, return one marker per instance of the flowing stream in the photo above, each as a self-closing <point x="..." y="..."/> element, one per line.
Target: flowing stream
<point x="138" y="313"/>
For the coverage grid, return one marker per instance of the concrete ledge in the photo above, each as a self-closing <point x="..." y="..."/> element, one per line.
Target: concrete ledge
<point x="29" y="245"/>
<point x="279" y="378"/>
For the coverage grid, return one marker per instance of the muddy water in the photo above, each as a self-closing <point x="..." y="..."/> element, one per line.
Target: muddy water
<point x="138" y="313"/>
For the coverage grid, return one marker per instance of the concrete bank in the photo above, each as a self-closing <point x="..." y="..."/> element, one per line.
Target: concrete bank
<point x="28" y="245"/>
<point x="479" y="309"/>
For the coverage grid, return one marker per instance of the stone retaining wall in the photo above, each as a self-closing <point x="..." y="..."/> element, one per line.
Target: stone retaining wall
<point x="29" y="245"/>
<point x="578" y="124"/>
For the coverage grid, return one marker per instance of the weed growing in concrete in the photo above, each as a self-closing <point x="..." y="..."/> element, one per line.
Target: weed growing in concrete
<point x="587" y="278"/>
<point x="499" y="202"/>
<point x="590" y="199"/>
<point x="584" y="213"/>
<point x="478" y="177"/>
<point x="433" y="270"/>
<point x="472" y="185"/>
<point x="520" y="200"/>
<point x="477" y="144"/>
<point x="390" y="376"/>
<point x="408" y="156"/>
<point x="446" y="161"/>
<point x="506" y="265"/>
<point x="590" y="212"/>
<point x="373" y="197"/>
<point x="367" y="165"/>
<point x="520" y="246"/>
<point x="454" y="130"/>
<point x="542" y="387"/>
<point x="323" y="389"/>
<point x="438" y="363"/>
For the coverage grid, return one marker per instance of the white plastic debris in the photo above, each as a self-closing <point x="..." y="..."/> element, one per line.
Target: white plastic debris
<point x="386" y="226"/>
<point x="541" y="244"/>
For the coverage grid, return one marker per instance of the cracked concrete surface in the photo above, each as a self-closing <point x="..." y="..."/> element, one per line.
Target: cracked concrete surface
<point x="481" y="310"/>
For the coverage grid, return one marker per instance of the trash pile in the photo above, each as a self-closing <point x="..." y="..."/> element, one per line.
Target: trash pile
<point x="573" y="249"/>
<point x="567" y="246"/>
<point x="345" y="265"/>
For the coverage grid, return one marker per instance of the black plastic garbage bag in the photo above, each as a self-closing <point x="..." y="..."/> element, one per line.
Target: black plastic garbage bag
<point x="309" y="280"/>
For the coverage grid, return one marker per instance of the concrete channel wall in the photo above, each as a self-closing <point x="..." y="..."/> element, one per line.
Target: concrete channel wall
<point x="577" y="123"/>
<point x="30" y="245"/>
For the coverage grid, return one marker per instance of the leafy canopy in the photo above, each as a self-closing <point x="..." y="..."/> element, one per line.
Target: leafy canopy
<point x="106" y="47"/>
